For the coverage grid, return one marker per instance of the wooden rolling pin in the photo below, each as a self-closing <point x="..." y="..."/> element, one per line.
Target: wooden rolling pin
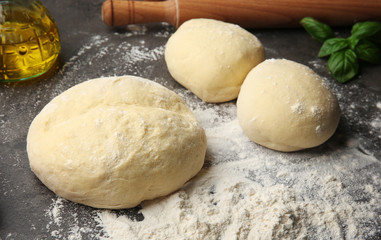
<point x="247" y="13"/>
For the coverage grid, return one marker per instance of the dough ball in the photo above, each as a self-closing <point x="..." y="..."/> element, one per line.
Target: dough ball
<point x="285" y="106"/>
<point x="113" y="142"/>
<point x="212" y="58"/>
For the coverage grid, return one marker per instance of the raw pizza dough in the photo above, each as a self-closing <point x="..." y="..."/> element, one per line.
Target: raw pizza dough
<point x="212" y="58"/>
<point x="284" y="105"/>
<point x="113" y="142"/>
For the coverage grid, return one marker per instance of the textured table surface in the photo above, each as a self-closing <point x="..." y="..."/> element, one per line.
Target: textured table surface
<point x="90" y="50"/>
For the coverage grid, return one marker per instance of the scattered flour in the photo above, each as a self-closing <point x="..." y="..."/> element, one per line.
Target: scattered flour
<point x="54" y="212"/>
<point x="378" y="104"/>
<point x="68" y="225"/>
<point x="318" y="63"/>
<point x="238" y="197"/>
<point x="215" y="205"/>
<point x="298" y="108"/>
<point x="376" y="123"/>
<point x="244" y="191"/>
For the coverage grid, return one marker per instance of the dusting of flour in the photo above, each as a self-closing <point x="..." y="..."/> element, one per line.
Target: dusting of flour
<point x="244" y="191"/>
<point x="247" y="192"/>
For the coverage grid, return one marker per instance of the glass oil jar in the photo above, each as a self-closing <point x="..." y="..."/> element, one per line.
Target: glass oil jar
<point x="30" y="42"/>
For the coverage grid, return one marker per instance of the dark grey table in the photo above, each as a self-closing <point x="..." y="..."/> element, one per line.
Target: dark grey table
<point x="89" y="50"/>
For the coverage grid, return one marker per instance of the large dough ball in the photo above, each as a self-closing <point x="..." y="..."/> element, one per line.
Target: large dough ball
<point x="212" y="58"/>
<point x="113" y="142"/>
<point x="284" y="105"/>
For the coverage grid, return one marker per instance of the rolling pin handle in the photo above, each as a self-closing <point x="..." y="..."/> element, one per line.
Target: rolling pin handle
<point x="119" y="13"/>
<point x="247" y="13"/>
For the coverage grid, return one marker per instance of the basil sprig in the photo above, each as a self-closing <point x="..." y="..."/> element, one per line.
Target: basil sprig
<point x="344" y="53"/>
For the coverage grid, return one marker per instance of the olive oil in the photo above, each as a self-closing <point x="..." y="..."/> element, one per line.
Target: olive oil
<point x="29" y="38"/>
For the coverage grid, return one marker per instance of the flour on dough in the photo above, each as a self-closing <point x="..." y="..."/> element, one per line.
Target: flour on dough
<point x="114" y="142"/>
<point x="211" y="58"/>
<point x="284" y="105"/>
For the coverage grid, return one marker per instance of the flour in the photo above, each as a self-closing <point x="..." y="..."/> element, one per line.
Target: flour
<point x="54" y="212"/>
<point x="318" y="63"/>
<point x="215" y="205"/>
<point x="239" y="197"/>
<point x="60" y="218"/>
<point x="244" y="191"/>
<point x="298" y="108"/>
<point x="376" y="123"/>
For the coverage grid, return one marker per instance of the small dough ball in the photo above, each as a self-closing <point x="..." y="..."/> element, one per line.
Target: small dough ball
<point x="113" y="142"/>
<point x="285" y="106"/>
<point x="212" y="58"/>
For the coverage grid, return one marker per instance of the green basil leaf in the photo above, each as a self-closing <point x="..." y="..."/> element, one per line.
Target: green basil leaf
<point x="343" y="65"/>
<point x="353" y="41"/>
<point x="316" y="29"/>
<point x="368" y="51"/>
<point x="332" y="45"/>
<point x="365" y="29"/>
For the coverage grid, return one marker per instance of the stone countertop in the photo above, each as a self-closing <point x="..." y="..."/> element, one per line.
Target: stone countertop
<point x="91" y="49"/>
